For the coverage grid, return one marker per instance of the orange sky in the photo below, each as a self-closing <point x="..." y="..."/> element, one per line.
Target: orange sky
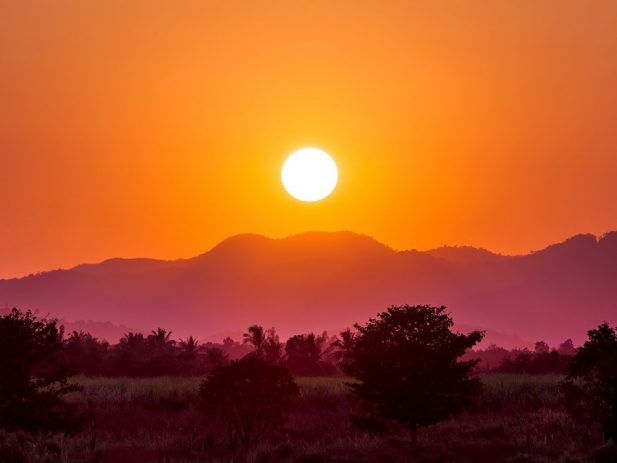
<point x="158" y="128"/>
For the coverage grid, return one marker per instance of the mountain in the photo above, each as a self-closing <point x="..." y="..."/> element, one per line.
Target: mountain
<point x="317" y="280"/>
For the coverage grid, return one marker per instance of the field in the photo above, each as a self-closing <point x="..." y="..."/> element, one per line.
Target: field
<point x="517" y="418"/>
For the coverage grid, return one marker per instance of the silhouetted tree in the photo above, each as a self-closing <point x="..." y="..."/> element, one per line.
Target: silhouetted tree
<point x="539" y="362"/>
<point x="189" y="348"/>
<point x="541" y="348"/>
<point x="215" y="356"/>
<point x="520" y="361"/>
<point x="187" y="358"/>
<point x="249" y="397"/>
<point x="266" y="343"/>
<point x="340" y="346"/>
<point x="33" y="375"/>
<point x="84" y="352"/>
<point x="407" y="365"/>
<point x="303" y="354"/>
<point x="272" y="347"/>
<point x="160" y="353"/>
<point x="488" y="359"/>
<point x="256" y="337"/>
<point x="157" y="354"/>
<point x="567" y="348"/>
<point x="595" y="363"/>
<point x="128" y="357"/>
<point x="160" y="340"/>
<point x="133" y="340"/>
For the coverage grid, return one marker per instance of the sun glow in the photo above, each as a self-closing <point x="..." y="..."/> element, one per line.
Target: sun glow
<point x="309" y="174"/>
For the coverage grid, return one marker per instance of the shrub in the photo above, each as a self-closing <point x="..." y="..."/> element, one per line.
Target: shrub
<point x="249" y="397"/>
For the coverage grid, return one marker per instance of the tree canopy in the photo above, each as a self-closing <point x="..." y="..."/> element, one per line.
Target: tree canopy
<point x="34" y="375"/>
<point x="595" y="364"/>
<point x="407" y="365"/>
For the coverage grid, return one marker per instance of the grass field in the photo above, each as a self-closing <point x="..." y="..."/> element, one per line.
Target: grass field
<point x="517" y="418"/>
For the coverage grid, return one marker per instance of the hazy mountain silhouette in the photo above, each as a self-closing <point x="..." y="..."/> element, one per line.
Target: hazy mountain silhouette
<point x="316" y="280"/>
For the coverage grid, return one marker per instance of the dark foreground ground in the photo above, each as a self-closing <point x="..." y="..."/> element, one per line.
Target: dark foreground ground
<point x="516" y="419"/>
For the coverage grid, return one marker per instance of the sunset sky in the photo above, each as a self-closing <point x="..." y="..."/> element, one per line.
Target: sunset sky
<point x="158" y="128"/>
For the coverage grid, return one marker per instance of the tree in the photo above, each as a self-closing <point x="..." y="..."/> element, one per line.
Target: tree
<point x="266" y="343"/>
<point x="249" y="397"/>
<point x="129" y="355"/>
<point x="541" y="348"/>
<point x="273" y="347"/>
<point x="160" y="340"/>
<point x="595" y="363"/>
<point x="304" y="352"/>
<point x="133" y="341"/>
<point x="407" y="365"/>
<point x="490" y="358"/>
<point x="188" y="352"/>
<point x="161" y="352"/>
<point x="255" y="336"/>
<point x="567" y="348"/>
<point x="189" y="348"/>
<point x="540" y="362"/>
<point x="340" y="346"/>
<point x="215" y="356"/>
<point x="34" y="375"/>
<point x="84" y="352"/>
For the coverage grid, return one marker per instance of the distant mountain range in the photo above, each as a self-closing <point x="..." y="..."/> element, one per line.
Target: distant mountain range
<point x="321" y="280"/>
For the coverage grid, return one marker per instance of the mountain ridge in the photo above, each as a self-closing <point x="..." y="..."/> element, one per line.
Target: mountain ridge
<point x="317" y="279"/>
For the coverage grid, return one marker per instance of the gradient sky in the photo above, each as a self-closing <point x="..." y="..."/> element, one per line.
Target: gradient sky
<point x="158" y="128"/>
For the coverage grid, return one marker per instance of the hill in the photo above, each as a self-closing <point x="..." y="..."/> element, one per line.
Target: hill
<point x="317" y="280"/>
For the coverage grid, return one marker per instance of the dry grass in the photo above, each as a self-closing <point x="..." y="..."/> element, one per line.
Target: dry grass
<point x="516" y="419"/>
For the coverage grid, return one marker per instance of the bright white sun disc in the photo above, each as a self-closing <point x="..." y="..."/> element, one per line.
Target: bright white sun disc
<point x="309" y="174"/>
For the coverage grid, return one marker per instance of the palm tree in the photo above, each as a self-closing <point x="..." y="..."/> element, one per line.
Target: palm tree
<point x="188" y="350"/>
<point x="129" y="354"/>
<point x="132" y="340"/>
<point x="85" y="352"/>
<point x="160" y="339"/>
<point x="340" y="347"/>
<point x="257" y="337"/>
<point x="189" y="346"/>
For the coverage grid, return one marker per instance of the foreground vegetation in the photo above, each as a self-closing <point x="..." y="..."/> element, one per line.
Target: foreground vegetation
<point x="409" y="396"/>
<point x="516" y="418"/>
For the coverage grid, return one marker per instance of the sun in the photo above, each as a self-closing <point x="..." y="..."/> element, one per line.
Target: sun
<point x="309" y="174"/>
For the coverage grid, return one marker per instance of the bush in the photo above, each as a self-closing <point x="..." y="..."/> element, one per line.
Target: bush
<point x="249" y="397"/>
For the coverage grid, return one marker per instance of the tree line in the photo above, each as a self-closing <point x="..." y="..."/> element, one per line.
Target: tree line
<point x="541" y="360"/>
<point x="310" y="354"/>
<point x="158" y="354"/>
<point x="407" y="364"/>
